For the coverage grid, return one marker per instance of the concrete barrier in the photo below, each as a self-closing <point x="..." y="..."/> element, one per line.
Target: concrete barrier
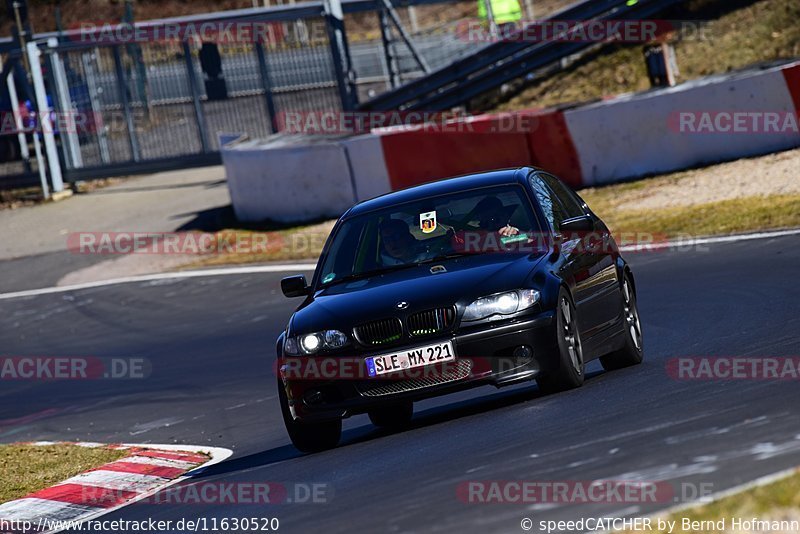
<point x="661" y="131"/>
<point x="792" y="76"/>
<point x="551" y="146"/>
<point x="288" y="178"/>
<point x="296" y="178"/>
<point x="370" y="177"/>
<point x="417" y="155"/>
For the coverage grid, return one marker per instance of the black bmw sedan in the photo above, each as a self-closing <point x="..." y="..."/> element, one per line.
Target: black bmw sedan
<point x="493" y="278"/>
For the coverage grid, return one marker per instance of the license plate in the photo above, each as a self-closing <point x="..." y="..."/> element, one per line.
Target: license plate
<point x="410" y="358"/>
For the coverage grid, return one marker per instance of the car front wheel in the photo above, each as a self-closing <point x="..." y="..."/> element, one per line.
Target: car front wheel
<point x="309" y="436"/>
<point x="631" y="353"/>
<point x="570" y="372"/>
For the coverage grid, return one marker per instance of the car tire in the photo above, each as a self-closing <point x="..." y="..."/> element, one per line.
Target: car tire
<point x="632" y="352"/>
<point x="392" y="417"/>
<point x="309" y="437"/>
<point x="571" y="368"/>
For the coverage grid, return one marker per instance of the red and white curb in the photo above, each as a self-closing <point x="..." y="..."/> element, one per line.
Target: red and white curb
<point x="146" y="471"/>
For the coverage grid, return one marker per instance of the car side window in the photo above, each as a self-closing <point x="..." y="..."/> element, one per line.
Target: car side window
<point x="573" y="207"/>
<point x="553" y="210"/>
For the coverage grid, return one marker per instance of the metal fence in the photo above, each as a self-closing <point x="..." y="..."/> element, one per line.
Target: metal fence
<point x="122" y="106"/>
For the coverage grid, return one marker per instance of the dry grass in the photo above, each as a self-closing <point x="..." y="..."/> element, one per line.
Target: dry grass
<point x="28" y="468"/>
<point x="738" y="33"/>
<point x="715" y="218"/>
<point x="777" y="501"/>
<point x="296" y="243"/>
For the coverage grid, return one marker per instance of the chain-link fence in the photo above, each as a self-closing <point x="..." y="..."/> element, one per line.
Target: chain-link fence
<point x="126" y="100"/>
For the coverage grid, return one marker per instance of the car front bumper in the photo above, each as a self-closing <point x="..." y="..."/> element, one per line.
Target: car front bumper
<point x="330" y="387"/>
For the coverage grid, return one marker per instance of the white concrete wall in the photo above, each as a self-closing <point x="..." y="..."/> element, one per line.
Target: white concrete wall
<point x="639" y="134"/>
<point x="369" y="173"/>
<point x="299" y="178"/>
<point x="288" y="180"/>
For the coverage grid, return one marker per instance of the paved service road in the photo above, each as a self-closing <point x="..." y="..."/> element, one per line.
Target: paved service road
<point x="210" y="342"/>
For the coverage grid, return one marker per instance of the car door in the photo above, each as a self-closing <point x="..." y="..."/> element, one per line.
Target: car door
<point x="588" y="259"/>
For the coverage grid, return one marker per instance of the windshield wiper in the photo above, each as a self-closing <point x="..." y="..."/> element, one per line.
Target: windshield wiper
<point x="368" y="274"/>
<point x="450" y="256"/>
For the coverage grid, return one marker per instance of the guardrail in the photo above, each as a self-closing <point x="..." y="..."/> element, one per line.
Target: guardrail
<point x="500" y="62"/>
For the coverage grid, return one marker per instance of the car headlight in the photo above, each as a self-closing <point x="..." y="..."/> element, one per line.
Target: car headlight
<point x="314" y="342"/>
<point x="501" y="304"/>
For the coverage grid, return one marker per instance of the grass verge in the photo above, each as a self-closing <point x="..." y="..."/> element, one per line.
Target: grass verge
<point x="287" y="244"/>
<point x="28" y="468"/>
<point x="715" y="218"/>
<point x="778" y="501"/>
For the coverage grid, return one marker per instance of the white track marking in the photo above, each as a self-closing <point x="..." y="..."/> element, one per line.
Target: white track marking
<point x="115" y="480"/>
<point x="160" y="462"/>
<point x="682" y="243"/>
<point x="162" y="276"/>
<point x="310" y="266"/>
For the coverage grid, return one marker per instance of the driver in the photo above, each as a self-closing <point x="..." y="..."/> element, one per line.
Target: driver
<point x="493" y="216"/>
<point x="399" y="246"/>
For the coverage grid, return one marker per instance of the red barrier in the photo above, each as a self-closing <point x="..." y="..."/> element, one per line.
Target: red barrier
<point x="792" y="76"/>
<point x="551" y="148"/>
<point x="486" y="142"/>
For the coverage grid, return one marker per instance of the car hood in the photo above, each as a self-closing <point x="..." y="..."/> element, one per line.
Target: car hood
<point x="342" y="306"/>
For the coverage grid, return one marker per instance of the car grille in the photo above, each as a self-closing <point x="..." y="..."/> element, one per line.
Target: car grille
<point x="430" y="322"/>
<point x="379" y="332"/>
<point x="458" y="371"/>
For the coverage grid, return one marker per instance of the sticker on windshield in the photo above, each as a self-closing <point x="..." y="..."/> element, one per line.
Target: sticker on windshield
<point x="427" y="222"/>
<point x="513" y="238"/>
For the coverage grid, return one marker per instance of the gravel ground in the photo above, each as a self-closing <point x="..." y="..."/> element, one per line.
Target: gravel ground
<point x="775" y="174"/>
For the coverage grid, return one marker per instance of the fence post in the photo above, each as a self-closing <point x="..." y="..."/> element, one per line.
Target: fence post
<point x="386" y="37"/>
<point x="199" y="116"/>
<point x="63" y="103"/>
<point x="14" y="100"/>
<point x="342" y="65"/>
<point x="267" y="82"/>
<point x="87" y="60"/>
<point x="43" y="115"/>
<point x="122" y="85"/>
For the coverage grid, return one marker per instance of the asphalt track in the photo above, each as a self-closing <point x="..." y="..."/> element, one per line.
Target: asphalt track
<point x="210" y="342"/>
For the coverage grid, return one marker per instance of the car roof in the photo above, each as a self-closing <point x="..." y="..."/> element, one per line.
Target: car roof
<point x="442" y="187"/>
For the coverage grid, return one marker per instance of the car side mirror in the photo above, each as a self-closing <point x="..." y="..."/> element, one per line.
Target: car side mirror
<point x="295" y="286"/>
<point x="577" y="224"/>
<point x="568" y="228"/>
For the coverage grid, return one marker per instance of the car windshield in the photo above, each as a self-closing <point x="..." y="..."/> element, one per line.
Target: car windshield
<point x="478" y="221"/>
